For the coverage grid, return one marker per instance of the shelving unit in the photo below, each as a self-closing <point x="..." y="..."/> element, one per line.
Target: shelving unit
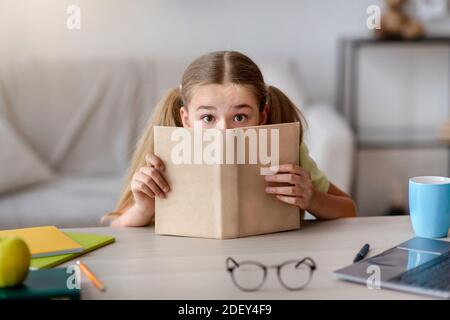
<point x="347" y="92"/>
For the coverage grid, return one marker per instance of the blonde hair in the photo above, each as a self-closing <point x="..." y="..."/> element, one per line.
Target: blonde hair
<point x="218" y="67"/>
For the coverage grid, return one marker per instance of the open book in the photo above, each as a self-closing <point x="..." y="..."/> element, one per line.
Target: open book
<point x="217" y="180"/>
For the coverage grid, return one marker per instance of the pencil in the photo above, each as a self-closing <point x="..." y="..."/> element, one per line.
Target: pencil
<point x="91" y="276"/>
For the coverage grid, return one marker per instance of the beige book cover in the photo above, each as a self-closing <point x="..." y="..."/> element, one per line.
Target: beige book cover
<point x="217" y="180"/>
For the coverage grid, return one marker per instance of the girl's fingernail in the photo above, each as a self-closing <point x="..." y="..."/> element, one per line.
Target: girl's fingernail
<point x="166" y="189"/>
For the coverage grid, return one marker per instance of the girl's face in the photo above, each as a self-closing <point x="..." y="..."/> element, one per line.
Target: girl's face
<point x="223" y="106"/>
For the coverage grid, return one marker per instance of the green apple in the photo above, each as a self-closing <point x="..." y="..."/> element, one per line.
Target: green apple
<point x="14" y="261"/>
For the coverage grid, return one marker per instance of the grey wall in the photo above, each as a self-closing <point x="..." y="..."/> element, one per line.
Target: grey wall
<point x="304" y="29"/>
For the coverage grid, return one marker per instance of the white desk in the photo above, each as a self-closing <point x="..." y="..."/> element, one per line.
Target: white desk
<point x="142" y="265"/>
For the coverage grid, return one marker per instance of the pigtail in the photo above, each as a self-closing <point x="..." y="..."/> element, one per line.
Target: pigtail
<point x="283" y="110"/>
<point x="166" y="113"/>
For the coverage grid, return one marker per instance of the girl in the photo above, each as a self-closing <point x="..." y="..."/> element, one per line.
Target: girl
<point x="225" y="90"/>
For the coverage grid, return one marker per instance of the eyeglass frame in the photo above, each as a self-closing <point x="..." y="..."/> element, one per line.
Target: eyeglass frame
<point x="312" y="267"/>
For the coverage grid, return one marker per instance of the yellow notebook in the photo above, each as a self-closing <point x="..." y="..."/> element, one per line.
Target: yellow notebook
<point x="44" y="241"/>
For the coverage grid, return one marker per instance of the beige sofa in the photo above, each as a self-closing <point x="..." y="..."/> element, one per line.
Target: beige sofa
<point x="69" y="128"/>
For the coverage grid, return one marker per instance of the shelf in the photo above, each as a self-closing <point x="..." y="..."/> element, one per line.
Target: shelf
<point x="431" y="144"/>
<point x="406" y="136"/>
<point x="403" y="138"/>
<point x="407" y="143"/>
<point x="371" y="41"/>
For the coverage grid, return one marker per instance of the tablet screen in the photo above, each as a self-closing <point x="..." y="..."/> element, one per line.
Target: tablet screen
<point x="402" y="259"/>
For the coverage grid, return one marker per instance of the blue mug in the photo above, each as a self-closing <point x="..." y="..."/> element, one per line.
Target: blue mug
<point x="429" y="206"/>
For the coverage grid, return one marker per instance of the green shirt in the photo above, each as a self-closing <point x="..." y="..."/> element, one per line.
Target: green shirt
<point x="319" y="179"/>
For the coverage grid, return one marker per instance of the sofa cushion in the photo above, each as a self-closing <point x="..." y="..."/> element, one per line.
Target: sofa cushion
<point x="66" y="202"/>
<point x="79" y="115"/>
<point x="20" y="167"/>
<point x="331" y="143"/>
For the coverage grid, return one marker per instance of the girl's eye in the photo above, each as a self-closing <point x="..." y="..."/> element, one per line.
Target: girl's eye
<point x="240" y="117"/>
<point x="207" y="118"/>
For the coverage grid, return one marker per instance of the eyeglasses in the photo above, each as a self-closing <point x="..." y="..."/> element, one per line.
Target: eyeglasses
<point x="251" y="275"/>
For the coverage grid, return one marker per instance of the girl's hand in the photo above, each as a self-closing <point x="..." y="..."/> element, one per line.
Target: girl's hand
<point x="300" y="191"/>
<point x="148" y="183"/>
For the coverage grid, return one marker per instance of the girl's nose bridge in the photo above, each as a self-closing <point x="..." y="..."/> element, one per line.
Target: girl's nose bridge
<point x="223" y="124"/>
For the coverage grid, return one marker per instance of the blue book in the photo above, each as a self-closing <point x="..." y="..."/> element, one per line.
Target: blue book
<point x="44" y="284"/>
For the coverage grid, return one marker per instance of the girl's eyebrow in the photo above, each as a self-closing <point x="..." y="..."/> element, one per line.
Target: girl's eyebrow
<point x="240" y="106"/>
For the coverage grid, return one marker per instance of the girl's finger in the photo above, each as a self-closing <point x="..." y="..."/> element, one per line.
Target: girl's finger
<point x="154" y="161"/>
<point x="304" y="183"/>
<point x="288" y="167"/>
<point x="304" y="173"/>
<point x="284" y="177"/>
<point x="157" y="177"/>
<point x="150" y="183"/>
<point x="288" y="191"/>
<point x="295" y="201"/>
<point x="142" y="187"/>
<point x="155" y="188"/>
<point x="292" y="168"/>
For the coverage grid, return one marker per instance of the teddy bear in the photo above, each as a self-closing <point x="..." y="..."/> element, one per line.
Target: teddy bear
<point x="397" y="24"/>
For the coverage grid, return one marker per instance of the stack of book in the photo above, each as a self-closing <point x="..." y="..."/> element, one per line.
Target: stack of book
<point x="50" y="247"/>
<point x="53" y="284"/>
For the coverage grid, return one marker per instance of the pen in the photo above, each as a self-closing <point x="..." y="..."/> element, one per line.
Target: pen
<point x="362" y="253"/>
<point x="91" y="276"/>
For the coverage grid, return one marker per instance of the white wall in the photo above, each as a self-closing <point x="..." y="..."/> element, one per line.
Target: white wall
<point x="404" y="90"/>
<point x="305" y="29"/>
